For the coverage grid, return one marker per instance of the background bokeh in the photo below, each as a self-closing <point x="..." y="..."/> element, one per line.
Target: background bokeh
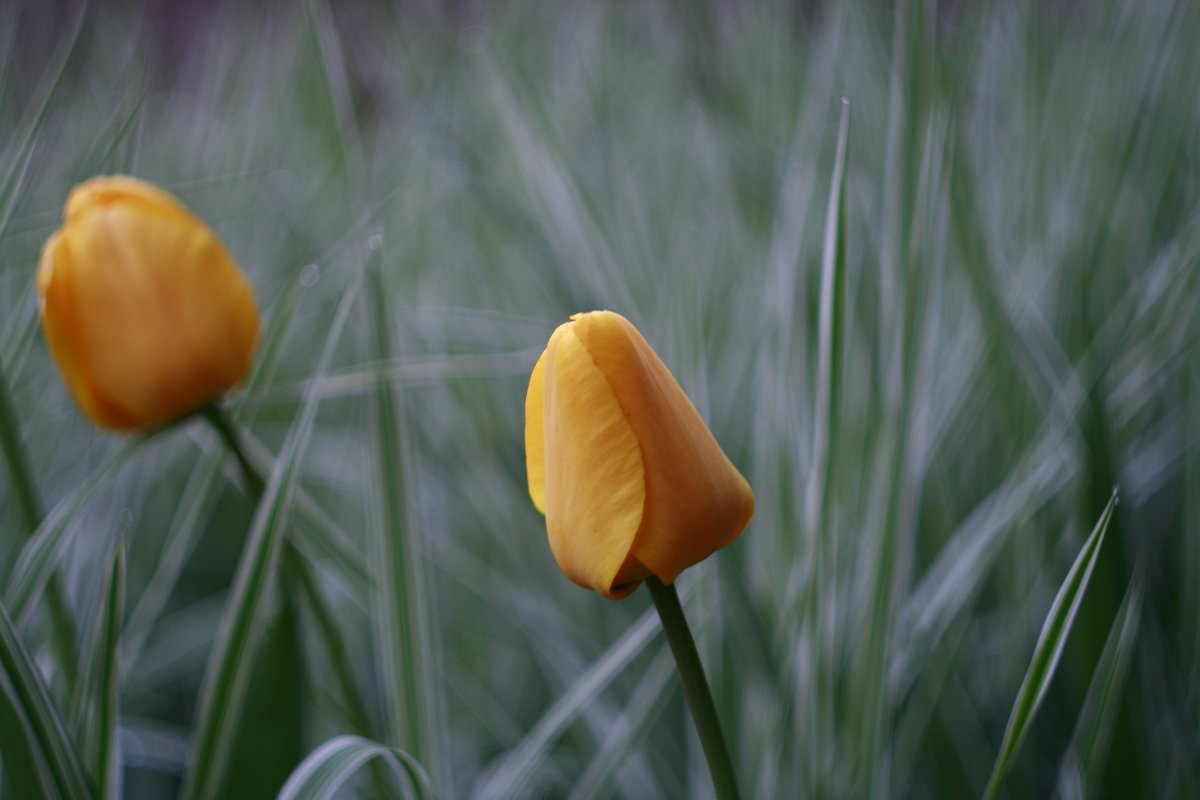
<point x="1017" y="335"/>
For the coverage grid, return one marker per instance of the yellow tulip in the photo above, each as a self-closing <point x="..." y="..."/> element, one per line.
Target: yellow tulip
<point x="630" y="479"/>
<point x="145" y="311"/>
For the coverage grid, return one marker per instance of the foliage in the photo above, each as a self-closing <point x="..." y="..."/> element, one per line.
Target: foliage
<point x="1008" y="330"/>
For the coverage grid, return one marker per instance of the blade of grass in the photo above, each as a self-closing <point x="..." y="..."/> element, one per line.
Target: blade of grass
<point x="635" y="722"/>
<point x="321" y="537"/>
<point x="1091" y="739"/>
<point x="100" y="707"/>
<point x="29" y="506"/>
<point x="402" y="607"/>
<point x="47" y="737"/>
<point x="818" y="703"/>
<point x="41" y="554"/>
<point x="195" y="501"/>
<point x="322" y="774"/>
<point x="507" y="776"/>
<point x="902" y="278"/>
<point x="222" y="694"/>
<point x="1049" y="648"/>
<point x="36" y="111"/>
<point x="24" y="773"/>
<point x="269" y="740"/>
<point x="337" y="653"/>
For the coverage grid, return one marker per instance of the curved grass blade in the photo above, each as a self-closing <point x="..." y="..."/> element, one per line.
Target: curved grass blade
<point x="1049" y="648"/>
<point x="222" y="694"/>
<point x="46" y="737"/>
<point x="322" y="774"/>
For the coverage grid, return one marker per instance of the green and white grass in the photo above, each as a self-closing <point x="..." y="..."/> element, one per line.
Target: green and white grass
<point x="935" y="324"/>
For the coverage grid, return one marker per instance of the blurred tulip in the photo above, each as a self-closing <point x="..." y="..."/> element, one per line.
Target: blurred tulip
<point x="146" y="313"/>
<point x="630" y="479"/>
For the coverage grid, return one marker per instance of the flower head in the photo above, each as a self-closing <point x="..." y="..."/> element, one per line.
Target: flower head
<point x="630" y="479"/>
<point x="145" y="311"/>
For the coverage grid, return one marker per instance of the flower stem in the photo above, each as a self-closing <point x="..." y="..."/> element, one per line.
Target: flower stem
<point x="695" y="687"/>
<point x="222" y="424"/>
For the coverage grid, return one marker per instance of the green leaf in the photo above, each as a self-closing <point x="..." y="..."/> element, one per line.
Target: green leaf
<point x="333" y="646"/>
<point x="1049" y="648"/>
<point x="329" y="766"/>
<point x="24" y="771"/>
<point x="270" y="741"/>
<point x="1084" y="763"/>
<point x="57" y="766"/>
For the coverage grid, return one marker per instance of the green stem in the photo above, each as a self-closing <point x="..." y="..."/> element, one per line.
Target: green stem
<point x="225" y="427"/>
<point x="62" y="629"/>
<point x="695" y="687"/>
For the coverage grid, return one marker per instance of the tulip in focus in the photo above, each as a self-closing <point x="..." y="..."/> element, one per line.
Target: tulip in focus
<point x="630" y="479"/>
<point x="147" y="314"/>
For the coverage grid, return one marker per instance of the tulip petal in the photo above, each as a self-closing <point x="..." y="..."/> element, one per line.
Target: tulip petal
<point x="56" y="290"/>
<point x="696" y="501"/>
<point x="535" y="438"/>
<point x="594" y="480"/>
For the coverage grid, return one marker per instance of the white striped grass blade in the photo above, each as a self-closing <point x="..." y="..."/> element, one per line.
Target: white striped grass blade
<point x="1090" y="741"/>
<point x="326" y="770"/>
<point x="403" y="612"/>
<point x="508" y="775"/>
<point x="1049" y="647"/>
<point x="635" y="722"/>
<point x="59" y="769"/>
<point x="101" y="707"/>
<point x="41" y="554"/>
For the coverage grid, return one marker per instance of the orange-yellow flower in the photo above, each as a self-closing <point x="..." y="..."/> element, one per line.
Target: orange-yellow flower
<point x="146" y="313"/>
<point x="630" y="479"/>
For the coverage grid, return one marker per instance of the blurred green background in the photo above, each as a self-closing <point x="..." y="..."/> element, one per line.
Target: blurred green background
<point x="1015" y="334"/>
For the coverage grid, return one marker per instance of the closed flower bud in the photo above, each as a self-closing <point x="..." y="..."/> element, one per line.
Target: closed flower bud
<point x="145" y="311"/>
<point x="630" y="479"/>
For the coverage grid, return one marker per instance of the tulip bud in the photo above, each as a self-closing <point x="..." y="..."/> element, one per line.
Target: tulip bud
<point x="145" y="311"/>
<point x="630" y="479"/>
